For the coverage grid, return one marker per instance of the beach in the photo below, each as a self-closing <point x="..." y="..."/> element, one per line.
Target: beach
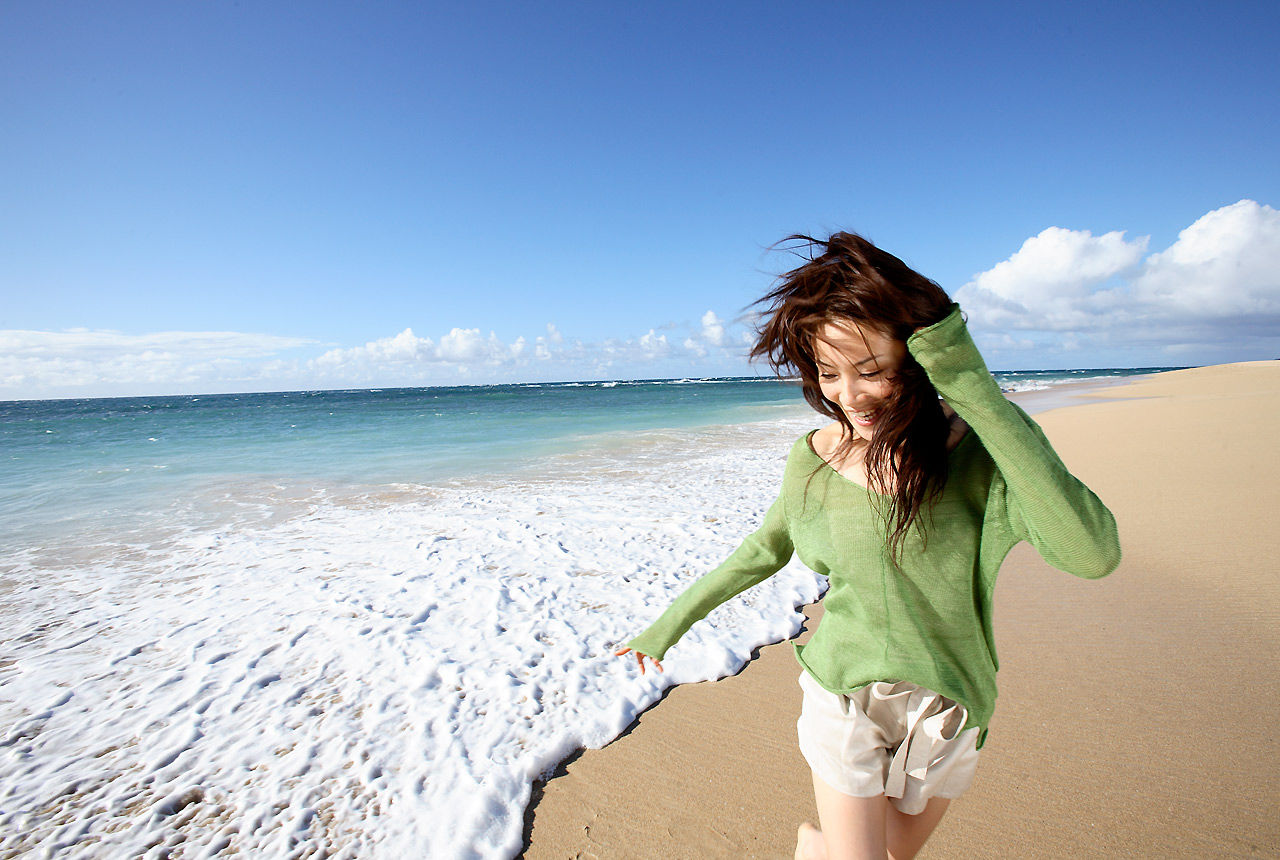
<point x="349" y="623"/>
<point x="1136" y="713"/>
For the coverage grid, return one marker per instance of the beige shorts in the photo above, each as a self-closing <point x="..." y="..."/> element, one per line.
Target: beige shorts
<point x="892" y="738"/>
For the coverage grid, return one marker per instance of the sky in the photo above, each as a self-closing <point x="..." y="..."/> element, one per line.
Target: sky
<point x="202" y="197"/>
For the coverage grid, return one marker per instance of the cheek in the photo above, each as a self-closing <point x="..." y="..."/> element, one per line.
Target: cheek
<point x="885" y="388"/>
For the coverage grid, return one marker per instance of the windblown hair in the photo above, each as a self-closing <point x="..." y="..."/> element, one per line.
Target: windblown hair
<point x="846" y="278"/>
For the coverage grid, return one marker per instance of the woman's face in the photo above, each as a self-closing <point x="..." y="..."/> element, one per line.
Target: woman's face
<point x="857" y="370"/>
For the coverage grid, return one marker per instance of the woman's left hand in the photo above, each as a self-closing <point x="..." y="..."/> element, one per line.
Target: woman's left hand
<point x="639" y="659"/>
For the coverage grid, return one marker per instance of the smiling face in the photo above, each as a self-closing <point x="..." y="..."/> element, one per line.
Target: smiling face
<point x="857" y="370"/>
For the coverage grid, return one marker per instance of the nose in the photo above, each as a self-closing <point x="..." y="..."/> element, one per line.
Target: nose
<point x="855" y="393"/>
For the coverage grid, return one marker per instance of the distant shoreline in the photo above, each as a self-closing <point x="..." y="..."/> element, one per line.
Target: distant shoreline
<point x="1054" y="376"/>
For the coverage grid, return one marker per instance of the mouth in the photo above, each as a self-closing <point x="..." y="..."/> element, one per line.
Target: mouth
<point x="863" y="419"/>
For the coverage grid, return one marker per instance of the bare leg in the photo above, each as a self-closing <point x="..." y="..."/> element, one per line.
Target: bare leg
<point x="865" y="827"/>
<point x="853" y="828"/>
<point x="906" y="834"/>
<point x="809" y="843"/>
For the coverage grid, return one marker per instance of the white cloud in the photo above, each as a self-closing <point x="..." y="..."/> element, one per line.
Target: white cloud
<point x="461" y="347"/>
<point x="653" y="344"/>
<point x="712" y="328"/>
<point x="408" y="359"/>
<point x="37" y="363"/>
<point x="1217" y="286"/>
<point x="1051" y="281"/>
<point x="710" y="335"/>
<point x="406" y="347"/>
<point x="94" y="362"/>
<point x="467" y="346"/>
<point x="1226" y="264"/>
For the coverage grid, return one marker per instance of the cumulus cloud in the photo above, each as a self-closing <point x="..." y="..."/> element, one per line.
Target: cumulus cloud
<point x="468" y="346"/>
<point x="710" y="335"/>
<point x="461" y="346"/>
<point x="406" y="358"/>
<point x="653" y="344"/>
<point x="404" y="348"/>
<point x="1081" y="297"/>
<point x="712" y="329"/>
<point x="1219" y="283"/>
<point x="97" y="362"/>
<point x="1226" y="264"/>
<point x="1052" y="281"/>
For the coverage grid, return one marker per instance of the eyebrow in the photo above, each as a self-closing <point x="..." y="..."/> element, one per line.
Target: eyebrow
<point x="820" y="363"/>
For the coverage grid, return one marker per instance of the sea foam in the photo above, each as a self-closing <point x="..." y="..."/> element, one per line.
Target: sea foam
<point x="373" y="674"/>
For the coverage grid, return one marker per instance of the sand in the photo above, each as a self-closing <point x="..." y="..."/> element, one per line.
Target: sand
<point x="1137" y="714"/>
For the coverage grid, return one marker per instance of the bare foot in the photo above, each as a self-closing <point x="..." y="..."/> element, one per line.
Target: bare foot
<point x="809" y="843"/>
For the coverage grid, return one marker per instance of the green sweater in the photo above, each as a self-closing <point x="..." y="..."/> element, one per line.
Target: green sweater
<point x="926" y="619"/>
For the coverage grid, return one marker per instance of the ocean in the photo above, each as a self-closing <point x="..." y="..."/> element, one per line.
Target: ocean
<point x="361" y="623"/>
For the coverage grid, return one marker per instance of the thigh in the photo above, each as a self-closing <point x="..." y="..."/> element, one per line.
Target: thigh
<point x="853" y="828"/>
<point x="906" y="834"/>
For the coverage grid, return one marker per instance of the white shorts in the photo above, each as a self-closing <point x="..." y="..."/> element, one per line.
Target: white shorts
<point x="892" y="738"/>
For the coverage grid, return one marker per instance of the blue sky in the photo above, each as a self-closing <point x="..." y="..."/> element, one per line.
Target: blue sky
<point x="223" y="197"/>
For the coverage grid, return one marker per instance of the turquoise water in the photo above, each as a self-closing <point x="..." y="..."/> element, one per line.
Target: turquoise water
<point x="69" y="464"/>
<point x="94" y="465"/>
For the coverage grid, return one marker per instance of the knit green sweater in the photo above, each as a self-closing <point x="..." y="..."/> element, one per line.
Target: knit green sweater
<point x="926" y="618"/>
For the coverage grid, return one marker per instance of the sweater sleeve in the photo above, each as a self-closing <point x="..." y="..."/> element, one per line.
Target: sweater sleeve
<point x="1046" y="504"/>
<point x="762" y="554"/>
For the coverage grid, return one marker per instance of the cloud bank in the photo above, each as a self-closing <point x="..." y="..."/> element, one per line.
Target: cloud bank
<point x="81" y="362"/>
<point x="1211" y="295"/>
<point x="89" y="362"/>
<point x="1066" y="298"/>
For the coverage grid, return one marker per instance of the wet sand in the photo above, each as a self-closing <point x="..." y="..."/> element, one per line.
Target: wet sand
<point x="1136" y="715"/>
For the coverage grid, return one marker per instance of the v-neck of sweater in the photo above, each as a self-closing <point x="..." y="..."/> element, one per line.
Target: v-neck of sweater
<point x="824" y="464"/>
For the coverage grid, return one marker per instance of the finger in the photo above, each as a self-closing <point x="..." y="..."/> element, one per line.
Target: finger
<point x="659" y="665"/>
<point x="620" y="652"/>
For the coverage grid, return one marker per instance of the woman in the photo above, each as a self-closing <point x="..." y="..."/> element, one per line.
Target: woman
<point x="909" y="503"/>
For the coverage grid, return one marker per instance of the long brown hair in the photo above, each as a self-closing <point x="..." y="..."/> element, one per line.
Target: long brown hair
<point x="846" y="278"/>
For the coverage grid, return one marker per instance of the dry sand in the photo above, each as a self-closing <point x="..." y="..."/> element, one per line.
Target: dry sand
<point x="1137" y="714"/>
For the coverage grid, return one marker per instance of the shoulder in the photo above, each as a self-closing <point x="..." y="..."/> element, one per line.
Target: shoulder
<point x="825" y="440"/>
<point x="804" y="450"/>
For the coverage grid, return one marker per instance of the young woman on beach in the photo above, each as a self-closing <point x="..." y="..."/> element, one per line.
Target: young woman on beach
<point x="908" y="503"/>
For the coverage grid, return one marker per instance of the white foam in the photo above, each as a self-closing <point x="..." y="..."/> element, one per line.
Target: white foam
<point x="1015" y="386"/>
<point x="373" y="675"/>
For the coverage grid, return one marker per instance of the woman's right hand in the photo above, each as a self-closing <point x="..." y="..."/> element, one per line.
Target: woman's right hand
<point x="639" y="659"/>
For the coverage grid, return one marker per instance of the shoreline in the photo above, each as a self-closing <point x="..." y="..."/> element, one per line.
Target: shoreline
<point x="715" y="770"/>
